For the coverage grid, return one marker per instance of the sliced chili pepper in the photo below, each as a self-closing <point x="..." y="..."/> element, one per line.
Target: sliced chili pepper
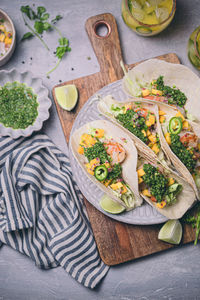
<point x="101" y="173"/>
<point x="175" y="125"/>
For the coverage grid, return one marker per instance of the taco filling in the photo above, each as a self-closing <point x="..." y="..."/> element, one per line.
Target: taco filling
<point x="159" y="188"/>
<point x="140" y="121"/>
<point x="184" y="143"/>
<point x="104" y="162"/>
<point x="158" y="91"/>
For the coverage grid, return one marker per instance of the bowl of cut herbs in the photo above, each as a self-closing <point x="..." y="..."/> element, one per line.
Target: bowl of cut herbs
<point x="24" y="103"/>
<point x="7" y="38"/>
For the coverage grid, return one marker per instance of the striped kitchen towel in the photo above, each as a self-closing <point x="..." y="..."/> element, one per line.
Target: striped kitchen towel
<point x="41" y="209"/>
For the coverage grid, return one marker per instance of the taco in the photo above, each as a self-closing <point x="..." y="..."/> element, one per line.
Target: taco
<point x="160" y="81"/>
<point x="180" y="138"/>
<point x="164" y="189"/>
<point x="138" y="120"/>
<point x="109" y="158"/>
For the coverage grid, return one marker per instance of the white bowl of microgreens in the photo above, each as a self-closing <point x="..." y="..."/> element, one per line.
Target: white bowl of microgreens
<point x="7" y="37"/>
<point x="24" y="103"/>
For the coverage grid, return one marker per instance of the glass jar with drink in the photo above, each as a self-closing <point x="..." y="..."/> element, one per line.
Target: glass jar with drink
<point x="194" y="48"/>
<point x="148" y="17"/>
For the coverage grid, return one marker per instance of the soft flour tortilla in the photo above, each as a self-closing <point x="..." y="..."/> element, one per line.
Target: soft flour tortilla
<point x="129" y="165"/>
<point x="104" y="108"/>
<point x="174" y="74"/>
<point x="171" y="112"/>
<point x="185" y="198"/>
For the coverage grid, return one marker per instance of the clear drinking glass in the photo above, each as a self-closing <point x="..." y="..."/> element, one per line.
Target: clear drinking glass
<point x="148" y="17"/>
<point x="194" y="48"/>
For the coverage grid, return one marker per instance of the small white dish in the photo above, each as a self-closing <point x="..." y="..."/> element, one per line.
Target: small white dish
<point x="42" y="97"/>
<point x="10" y="27"/>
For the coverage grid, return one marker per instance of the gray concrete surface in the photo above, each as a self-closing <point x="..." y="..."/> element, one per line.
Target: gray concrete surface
<point x="173" y="274"/>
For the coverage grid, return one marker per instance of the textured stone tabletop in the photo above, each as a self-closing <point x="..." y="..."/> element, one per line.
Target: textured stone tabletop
<point x="173" y="274"/>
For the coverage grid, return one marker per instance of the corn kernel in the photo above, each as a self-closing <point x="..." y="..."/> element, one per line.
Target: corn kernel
<point x="155" y="148"/>
<point x="152" y="138"/>
<point x="179" y="114"/>
<point x="161" y="204"/>
<point x="168" y="138"/>
<point x="146" y="193"/>
<point x="145" y="93"/>
<point x="140" y="172"/>
<point x="156" y="92"/>
<point x="162" y="119"/>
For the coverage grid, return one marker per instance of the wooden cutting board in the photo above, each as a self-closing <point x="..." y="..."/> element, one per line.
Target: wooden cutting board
<point x="117" y="242"/>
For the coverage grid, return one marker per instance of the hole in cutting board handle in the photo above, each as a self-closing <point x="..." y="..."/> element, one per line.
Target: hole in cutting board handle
<point x="102" y="29"/>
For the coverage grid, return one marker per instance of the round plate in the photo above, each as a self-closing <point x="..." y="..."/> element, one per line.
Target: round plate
<point x="42" y="97"/>
<point x="143" y="215"/>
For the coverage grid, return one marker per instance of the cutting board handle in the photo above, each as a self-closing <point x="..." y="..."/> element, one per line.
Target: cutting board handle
<point x="107" y="48"/>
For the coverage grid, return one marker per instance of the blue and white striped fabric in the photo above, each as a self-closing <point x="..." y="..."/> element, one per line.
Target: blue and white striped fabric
<point x="41" y="209"/>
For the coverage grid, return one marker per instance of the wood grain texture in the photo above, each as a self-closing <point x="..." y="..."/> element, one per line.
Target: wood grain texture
<point x="117" y="242"/>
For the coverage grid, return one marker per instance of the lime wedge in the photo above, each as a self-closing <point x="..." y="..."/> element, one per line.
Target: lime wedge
<point x="171" y="232"/>
<point x="67" y="96"/>
<point x="110" y="205"/>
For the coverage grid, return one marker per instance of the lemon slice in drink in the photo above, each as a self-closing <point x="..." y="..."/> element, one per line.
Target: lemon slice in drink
<point x="67" y="96"/>
<point x="110" y="205"/>
<point x="171" y="232"/>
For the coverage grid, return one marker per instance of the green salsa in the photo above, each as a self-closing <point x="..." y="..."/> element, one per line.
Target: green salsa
<point x="159" y="185"/>
<point x="131" y="118"/>
<point x="174" y="95"/>
<point x="156" y="181"/>
<point x="182" y="153"/>
<point x="18" y="105"/>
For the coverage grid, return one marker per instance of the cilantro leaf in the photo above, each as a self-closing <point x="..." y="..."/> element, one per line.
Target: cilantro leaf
<point x="39" y="27"/>
<point x="27" y="36"/>
<point x="40" y="11"/>
<point x="29" y="12"/>
<point x="44" y="17"/>
<point x="63" y="41"/>
<point x="46" y="26"/>
<point x="56" y="19"/>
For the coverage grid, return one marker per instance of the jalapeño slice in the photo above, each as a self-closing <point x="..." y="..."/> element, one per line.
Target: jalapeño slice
<point x="101" y="173"/>
<point x="175" y="125"/>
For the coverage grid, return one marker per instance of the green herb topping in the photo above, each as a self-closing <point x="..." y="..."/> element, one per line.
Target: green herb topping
<point x="128" y="120"/>
<point x="182" y="153"/>
<point x="18" y="105"/>
<point x="174" y="95"/>
<point x="97" y="150"/>
<point x="156" y="181"/>
<point x="116" y="172"/>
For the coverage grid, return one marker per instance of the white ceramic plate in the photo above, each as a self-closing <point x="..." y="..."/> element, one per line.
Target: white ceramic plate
<point x="42" y="97"/>
<point x="143" y="215"/>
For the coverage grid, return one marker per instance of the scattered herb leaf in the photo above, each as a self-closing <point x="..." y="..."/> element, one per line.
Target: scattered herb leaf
<point x="26" y="36"/>
<point x="57" y="18"/>
<point x="41" y="24"/>
<point x="194" y="221"/>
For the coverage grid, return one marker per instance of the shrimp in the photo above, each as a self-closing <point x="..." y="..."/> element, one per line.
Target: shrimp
<point x="116" y="151"/>
<point x="189" y="140"/>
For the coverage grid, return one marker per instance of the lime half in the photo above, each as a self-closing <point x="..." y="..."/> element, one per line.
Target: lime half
<point x="171" y="232"/>
<point x="110" y="205"/>
<point x="67" y="96"/>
